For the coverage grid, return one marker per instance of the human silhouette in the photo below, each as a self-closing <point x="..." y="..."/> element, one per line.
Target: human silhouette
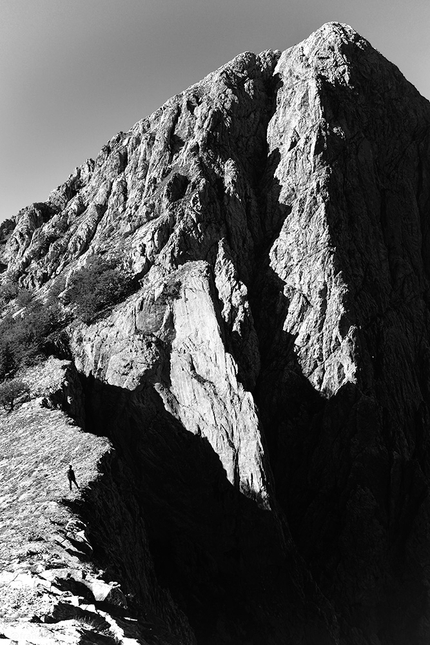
<point x="71" y="477"/>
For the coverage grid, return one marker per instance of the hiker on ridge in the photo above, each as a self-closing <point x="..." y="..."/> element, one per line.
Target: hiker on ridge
<point x="71" y="477"/>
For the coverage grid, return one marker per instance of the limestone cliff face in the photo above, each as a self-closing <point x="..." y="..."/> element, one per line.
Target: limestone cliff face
<point x="268" y="383"/>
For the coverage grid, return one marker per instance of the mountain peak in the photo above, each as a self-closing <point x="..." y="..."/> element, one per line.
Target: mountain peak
<point x="333" y="35"/>
<point x="334" y="29"/>
<point x="241" y="289"/>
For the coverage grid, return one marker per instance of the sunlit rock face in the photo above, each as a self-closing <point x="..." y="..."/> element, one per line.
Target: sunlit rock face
<point x="272" y="369"/>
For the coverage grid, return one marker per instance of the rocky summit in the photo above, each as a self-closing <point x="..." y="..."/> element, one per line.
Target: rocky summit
<point x="247" y="405"/>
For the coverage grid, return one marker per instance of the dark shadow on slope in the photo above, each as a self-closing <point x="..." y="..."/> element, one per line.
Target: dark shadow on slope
<point x="339" y="467"/>
<point x="351" y="500"/>
<point x="223" y="559"/>
<point x="351" y="472"/>
<point x="350" y="493"/>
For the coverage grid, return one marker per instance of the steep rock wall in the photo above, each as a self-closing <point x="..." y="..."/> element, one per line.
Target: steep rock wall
<point x="350" y="454"/>
<point x="190" y="434"/>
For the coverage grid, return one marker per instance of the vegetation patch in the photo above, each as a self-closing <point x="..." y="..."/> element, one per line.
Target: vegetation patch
<point x="8" y="290"/>
<point x="100" y="283"/>
<point x="27" y="335"/>
<point x="10" y="391"/>
<point x="33" y="329"/>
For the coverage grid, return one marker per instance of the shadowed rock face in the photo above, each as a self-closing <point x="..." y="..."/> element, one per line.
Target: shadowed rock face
<point x="268" y="384"/>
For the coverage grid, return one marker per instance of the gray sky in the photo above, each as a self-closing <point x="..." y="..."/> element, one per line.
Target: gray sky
<point x="75" y="72"/>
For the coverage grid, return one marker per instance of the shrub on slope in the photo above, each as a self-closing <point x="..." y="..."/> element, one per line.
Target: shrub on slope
<point x="10" y="391"/>
<point x="100" y="283"/>
<point x="25" y="336"/>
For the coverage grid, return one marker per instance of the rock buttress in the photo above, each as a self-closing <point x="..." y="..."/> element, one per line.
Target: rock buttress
<point x="343" y="388"/>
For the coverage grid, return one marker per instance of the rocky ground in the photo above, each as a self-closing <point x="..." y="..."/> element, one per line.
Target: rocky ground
<point x="51" y="589"/>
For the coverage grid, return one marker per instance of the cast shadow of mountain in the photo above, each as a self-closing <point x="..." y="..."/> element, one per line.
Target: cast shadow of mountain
<point x="163" y="497"/>
<point x="333" y="460"/>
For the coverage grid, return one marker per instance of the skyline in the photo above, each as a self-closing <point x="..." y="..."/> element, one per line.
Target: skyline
<point x="75" y="74"/>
